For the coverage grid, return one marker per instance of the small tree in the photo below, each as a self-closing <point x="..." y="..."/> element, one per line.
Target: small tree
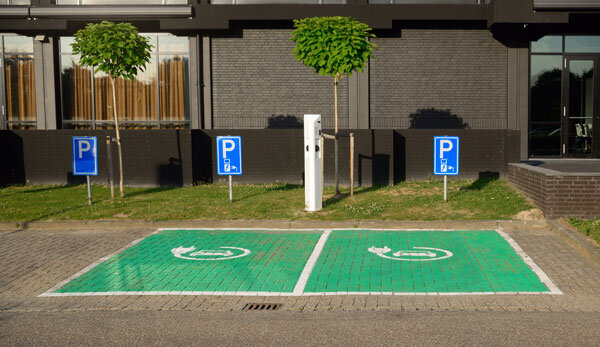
<point x="333" y="46"/>
<point x="120" y="52"/>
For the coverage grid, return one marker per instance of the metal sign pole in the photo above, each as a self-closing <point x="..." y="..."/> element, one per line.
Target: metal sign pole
<point x="445" y="185"/>
<point x="89" y="190"/>
<point x="230" y="188"/>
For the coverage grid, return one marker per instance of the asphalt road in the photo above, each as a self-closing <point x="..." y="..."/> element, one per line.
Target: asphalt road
<point x="347" y="328"/>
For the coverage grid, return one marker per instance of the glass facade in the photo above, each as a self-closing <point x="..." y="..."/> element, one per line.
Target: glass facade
<point x="157" y="98"/>
<point x="256" y="2"/>
<point x="15" y="2"/>
<point x="121" y="2"/>
<point x="16" y="53"/>
<point x="432" y="2"/>
<point x="562" y="123"/>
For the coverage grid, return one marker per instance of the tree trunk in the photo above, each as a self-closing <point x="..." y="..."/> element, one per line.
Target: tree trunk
<point x="114" y="95"/>
<point x="336" y="165"/>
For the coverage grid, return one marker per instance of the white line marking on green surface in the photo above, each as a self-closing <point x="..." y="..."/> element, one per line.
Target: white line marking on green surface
<point x="96" y="263"/>
<point x="532" y="265"/>
<point x="310" y="264"/>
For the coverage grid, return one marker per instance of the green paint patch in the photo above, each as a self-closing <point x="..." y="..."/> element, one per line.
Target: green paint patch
<point x="203" y="261"/>
<point x="420" y="262"/>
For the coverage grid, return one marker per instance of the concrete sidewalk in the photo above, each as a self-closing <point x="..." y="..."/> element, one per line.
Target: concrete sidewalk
<point x="44" y="254"/>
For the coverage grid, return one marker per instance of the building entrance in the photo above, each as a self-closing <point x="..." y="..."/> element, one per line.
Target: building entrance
<point x="580" y="107"/>
<point x="565" y="97"/>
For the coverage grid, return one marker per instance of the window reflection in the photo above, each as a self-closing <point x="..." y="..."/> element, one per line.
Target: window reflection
<point x="77" y="89"/>
<point x="15" y="2"/>
<point x="19" y="81"/>
<point x="136" y="99"/>
<point x="581" y="106"/>
<point x="547" y="44"/>
<point x="546" y="74"/>
<point x="173" y="74"/>
<point x="121" y="2"/>
<point x="545" y="126"/>
<point x="159" y="95"/>
<point x="582" y="44"/>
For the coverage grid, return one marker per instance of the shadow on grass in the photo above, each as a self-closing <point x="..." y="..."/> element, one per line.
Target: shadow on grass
<point x="480" y="183"/>
<point x="279" y="188"/>
<point x="146" y="191"/>
<point x="54" y="213"/>
<point x="45" y="189"/>
<point x="342" y="196"/>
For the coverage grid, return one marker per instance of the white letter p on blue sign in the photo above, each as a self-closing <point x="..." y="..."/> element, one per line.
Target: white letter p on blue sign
<point x="229" y="155"/>
<point x="445" y="155"/>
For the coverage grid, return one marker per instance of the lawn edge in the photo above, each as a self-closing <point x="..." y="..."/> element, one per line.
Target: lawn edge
<point x="584" y="245"/>
<point x="273" y="224"/>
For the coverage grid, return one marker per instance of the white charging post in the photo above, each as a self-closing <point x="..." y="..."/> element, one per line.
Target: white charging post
<point x="313" y="181"/>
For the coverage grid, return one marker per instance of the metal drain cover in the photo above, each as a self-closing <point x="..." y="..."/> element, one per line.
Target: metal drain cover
<point x="261" y="307"/>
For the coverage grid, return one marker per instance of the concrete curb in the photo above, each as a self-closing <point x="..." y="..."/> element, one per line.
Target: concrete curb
<point x="576" y="240"/>
<point x="283" y="224"/>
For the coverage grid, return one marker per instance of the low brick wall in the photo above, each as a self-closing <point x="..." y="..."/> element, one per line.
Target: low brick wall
<point x="558" y="194"/>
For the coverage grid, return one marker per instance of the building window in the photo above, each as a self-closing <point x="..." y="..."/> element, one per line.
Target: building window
<point x="431" y="2"/>
<point x="157" y="99"/>
<point x="285" y="2"/>
<point x="121" y="2"/>
<point x="18" y="80"/>
<point x="550" y="56"/>
<point x="15" y="2"/>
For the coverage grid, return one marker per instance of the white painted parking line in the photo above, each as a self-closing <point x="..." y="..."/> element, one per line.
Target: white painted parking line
<point x="310" y="264"/>
<point x="534" y="267"/>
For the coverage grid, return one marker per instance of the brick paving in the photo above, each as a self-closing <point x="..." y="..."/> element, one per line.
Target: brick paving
<point x="34" y="261"/>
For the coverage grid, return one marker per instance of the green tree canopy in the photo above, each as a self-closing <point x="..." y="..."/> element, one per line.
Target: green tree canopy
<point x="116" y="49"/>
<point x="332" y="46"/>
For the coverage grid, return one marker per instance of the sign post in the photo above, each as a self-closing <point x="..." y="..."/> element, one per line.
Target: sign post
<point x="229" y="158"/>
<point x="446" y="158"/>
<point x="85" y="159"/>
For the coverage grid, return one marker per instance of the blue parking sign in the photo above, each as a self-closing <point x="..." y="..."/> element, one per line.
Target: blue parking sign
<point x="85" y="155"/>
<point x="229" y="155"/>
<point x="445" y="155"/>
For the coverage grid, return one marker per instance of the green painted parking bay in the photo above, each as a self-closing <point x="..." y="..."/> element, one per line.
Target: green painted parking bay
<point x="312" y="262"/>
<point x="202" y="261"/>
<point x="379" y="261"/>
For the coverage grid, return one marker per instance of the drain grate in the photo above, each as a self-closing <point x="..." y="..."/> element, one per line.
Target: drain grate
<point x="261" y="307"/>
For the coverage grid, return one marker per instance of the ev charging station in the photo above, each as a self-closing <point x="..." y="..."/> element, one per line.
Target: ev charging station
<point x="313" y="181"/>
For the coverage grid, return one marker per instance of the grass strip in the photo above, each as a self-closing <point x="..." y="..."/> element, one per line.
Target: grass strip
<point x="481" y="199"/>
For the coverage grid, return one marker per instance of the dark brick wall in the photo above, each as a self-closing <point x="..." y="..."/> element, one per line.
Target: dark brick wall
<point x="559" y="196"/>
<point x="279" y="156"/>
<point x="256" y="83"/>
<point x="439" y="79"/>
<point x="185" y="157"/>
<point x="150" y="157"/>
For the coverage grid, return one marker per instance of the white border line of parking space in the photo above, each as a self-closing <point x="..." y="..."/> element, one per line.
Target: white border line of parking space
<point x="310" y="264"/>
<point x="532" y="265"/>
<point x="50" y="292"/>
<point x="301" y="284"/>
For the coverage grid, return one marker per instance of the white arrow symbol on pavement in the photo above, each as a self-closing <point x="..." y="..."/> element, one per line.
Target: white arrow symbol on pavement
<point x="220" y="254"/>
<point x="414" y="254"/>
<point x="427" y="255"/>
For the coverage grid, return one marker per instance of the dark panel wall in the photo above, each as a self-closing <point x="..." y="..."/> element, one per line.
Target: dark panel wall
<point x="278" y="156"/>
<point x="12" y="170"/>
<point x="439" y="79"/>
<point x="150" y="158"/>
<point x="176" y="158"/>
<point x="482" y="152"/>
<point x="256" y="83"/>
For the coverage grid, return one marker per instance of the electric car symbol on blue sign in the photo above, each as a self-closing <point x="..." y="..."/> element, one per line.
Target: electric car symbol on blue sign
<point x="85" y="156"/>
<point x="229" y="155"/>
<point x="445" y="155"/>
